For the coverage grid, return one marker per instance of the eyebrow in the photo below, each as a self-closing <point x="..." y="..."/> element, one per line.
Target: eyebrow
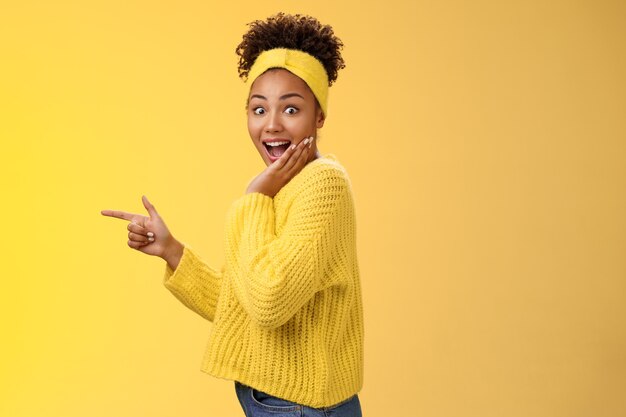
<point x="283" y="97"/>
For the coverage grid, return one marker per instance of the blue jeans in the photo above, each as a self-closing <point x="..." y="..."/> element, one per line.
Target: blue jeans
<point x="259" y="404"/>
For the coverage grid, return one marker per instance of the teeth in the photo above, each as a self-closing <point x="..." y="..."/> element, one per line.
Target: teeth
<point x="276" y="143"/>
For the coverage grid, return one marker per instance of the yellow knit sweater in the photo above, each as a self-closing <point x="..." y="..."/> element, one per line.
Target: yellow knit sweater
<point x="286" y="307"/>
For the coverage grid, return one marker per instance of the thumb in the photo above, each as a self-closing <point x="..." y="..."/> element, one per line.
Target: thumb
<point x="148" y="205"/>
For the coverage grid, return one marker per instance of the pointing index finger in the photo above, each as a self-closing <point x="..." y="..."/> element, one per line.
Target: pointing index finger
<point x="118" y="214"/>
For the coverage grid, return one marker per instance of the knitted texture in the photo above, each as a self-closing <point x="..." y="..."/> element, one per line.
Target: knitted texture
<point x="286" y="307"/>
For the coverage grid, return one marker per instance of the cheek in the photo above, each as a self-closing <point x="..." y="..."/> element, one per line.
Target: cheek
<point x="302" y="126"/>
<point x="253" y="127"/>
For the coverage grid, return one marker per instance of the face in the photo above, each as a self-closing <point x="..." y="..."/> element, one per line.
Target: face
<point x="282" y="111"/>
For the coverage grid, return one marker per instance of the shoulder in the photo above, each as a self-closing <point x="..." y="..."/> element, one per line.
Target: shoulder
<point x="323" y="181"/>
<point x="326" y="170"/>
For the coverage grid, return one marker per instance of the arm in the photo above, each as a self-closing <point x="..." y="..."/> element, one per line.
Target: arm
<point x="191" y="280"/>
<point x="274" y="276"/>
<point x="194" y="283"/>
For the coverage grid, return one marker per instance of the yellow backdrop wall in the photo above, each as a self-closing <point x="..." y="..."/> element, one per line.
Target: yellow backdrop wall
<point x="486" y="142"/>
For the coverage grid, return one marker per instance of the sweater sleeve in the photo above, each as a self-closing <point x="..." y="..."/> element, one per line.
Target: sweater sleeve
<point x="275" y="275"/>
<point x="194" y="283"/>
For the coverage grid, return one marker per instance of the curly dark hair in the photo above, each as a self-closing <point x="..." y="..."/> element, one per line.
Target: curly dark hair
<point x="301" y="32"/>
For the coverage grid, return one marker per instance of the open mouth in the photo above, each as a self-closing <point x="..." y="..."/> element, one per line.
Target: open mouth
<point x="275" y="148"/>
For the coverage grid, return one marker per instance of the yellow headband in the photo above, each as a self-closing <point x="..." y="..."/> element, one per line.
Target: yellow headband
<point x="299" y="63"/>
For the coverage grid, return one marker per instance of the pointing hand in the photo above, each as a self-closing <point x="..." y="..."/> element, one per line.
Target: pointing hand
<point x="149" y="234"/>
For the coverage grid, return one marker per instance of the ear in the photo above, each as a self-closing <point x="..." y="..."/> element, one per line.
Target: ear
<point x="320" y="118"/>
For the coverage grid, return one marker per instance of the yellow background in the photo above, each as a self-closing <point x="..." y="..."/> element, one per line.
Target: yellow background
<point x="486" y="142"/>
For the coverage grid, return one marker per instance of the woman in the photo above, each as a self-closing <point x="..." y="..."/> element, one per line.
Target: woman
<point x="286" y="306"/>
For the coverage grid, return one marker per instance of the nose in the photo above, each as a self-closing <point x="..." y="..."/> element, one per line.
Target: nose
<point x="273" y="122"/>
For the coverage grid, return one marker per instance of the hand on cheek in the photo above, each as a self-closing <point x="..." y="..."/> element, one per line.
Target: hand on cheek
<point x="281" y="171"/>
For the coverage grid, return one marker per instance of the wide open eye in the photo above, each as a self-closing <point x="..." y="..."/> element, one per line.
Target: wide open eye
<point x="291" y="110"/>
<point x="259" y="111"/>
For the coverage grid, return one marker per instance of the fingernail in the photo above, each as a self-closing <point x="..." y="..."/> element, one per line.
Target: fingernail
<point x="293" y="146"/>
<point x="151" y="239"/>
<point x="306" y="140"/>
<point x="150" y="234"/>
